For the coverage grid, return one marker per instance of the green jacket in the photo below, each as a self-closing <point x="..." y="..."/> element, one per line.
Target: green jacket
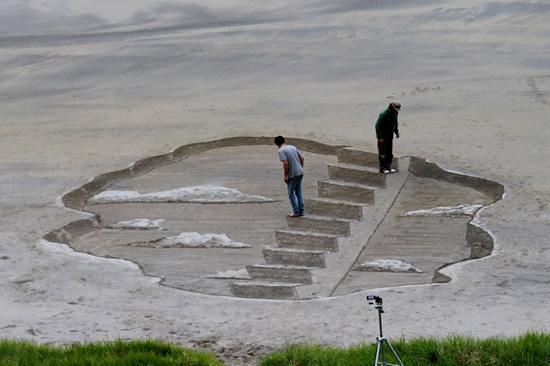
<point x="386" y="125"/>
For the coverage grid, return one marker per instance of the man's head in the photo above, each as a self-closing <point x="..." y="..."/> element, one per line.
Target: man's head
<point x="279" y="140"/>
<point x="395" y="106"/>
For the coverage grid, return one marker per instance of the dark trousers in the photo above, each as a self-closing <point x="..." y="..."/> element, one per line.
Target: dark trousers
<point x="385" y="154"/>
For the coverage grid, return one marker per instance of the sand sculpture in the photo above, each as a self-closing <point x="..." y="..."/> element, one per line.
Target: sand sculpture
<point x="203" y="221"/>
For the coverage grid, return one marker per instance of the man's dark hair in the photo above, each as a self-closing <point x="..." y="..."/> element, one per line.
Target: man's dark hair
<point x="279" y="140"/>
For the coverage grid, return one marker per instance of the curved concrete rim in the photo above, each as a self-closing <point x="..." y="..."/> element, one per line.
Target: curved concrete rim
<point x="480" y="240"/>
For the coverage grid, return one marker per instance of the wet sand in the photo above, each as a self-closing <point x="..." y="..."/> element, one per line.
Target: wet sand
<point x="96" y="88"/>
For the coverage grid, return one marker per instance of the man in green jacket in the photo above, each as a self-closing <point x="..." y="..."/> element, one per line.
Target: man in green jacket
<point x="386" y="126"/>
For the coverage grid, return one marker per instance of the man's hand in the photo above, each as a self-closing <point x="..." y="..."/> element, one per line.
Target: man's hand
<point x="381" y="141"/>
<point x="286" y="178"/>
<point x="397" y="136"/>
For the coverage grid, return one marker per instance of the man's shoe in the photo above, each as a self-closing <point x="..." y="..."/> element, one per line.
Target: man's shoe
<point x="392" y="170"/>
<point x="386" y="171"/>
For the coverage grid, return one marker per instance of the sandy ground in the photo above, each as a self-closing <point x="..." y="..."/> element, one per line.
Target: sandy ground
<point x="88" y="87"/>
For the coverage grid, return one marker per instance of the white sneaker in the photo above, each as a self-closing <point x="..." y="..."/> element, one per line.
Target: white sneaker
<point x="392" y="170"/>
<point x="386" y="171"/>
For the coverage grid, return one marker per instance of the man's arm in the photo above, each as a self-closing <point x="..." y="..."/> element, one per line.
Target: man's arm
<point x="285" y="166"/>
<point x="378" y="128"/>
<point x="396" y="128"/>
<point x="301" y="160"/>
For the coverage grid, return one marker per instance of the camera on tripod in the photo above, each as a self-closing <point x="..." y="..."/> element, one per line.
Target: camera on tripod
<point x="377" y="302"/>
<point x="380" y="358"/>
<point x="376" y="299"/>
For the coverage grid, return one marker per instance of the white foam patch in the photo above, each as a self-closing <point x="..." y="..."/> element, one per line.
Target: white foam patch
<point x="240" y="274"/>
<point x="196" y="240"/>
<point x="64" y="249"/>
<point x="138" y="224"/>
<point x="387" y="265"/>
<point x="460" y="210"/>
<point x="204" y="194"/>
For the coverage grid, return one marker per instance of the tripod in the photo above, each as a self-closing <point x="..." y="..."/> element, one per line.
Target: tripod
<point x="380" y="358"/>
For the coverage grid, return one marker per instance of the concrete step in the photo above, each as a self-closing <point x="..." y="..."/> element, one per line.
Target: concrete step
<point x="356" y="174"/>
<point x="362" y="158"/>
<point x="294" y="257"/>
<point x="280" y="273"/>
<point x="349" y="192"/>
<point x="306" y="241"/>
<point x="334" y="208"/>
<point x="265" y="290"/>
<point x="320" y="224"/>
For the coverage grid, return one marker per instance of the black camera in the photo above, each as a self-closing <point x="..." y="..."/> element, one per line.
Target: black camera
<point x="376" y="299"/>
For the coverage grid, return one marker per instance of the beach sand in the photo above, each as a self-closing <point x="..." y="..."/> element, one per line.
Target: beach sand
<point x="89" y="87"/>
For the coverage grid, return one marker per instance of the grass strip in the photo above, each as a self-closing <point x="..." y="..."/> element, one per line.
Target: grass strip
<point x="116" y="353"/>
<point x="528" y="349"/>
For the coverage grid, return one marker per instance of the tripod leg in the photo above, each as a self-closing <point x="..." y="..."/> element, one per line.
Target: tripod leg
<point x="394" y="353"/>
<point x="377" y="353"/>
<point x="383" y="351"/>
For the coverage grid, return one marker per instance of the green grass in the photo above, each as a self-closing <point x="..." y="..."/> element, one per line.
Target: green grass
<point x="119" y="353"/>
<point x="529" y="349"/>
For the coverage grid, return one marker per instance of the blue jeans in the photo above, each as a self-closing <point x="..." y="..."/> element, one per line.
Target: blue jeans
<point x="294" y="186"/>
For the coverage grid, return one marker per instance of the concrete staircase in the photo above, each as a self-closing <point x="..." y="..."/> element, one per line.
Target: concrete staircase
<point x="302" y="250"/>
